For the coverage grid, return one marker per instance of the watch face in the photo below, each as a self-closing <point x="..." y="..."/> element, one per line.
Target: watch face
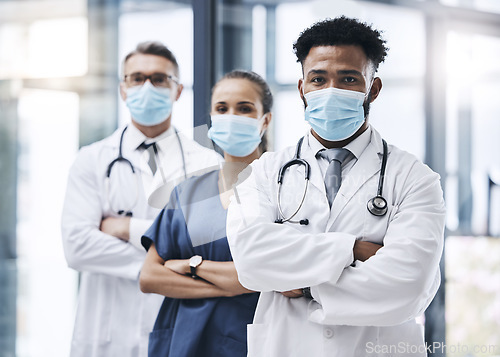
<point x="195" y="261"/>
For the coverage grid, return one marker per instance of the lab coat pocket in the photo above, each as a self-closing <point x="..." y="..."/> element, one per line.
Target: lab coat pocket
<point x="257" y="335"/>
<point x="159" y="342"/>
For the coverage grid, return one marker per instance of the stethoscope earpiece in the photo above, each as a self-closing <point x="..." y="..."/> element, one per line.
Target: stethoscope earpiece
<point x="377" y="206"/>
<point x="125" y="213"/>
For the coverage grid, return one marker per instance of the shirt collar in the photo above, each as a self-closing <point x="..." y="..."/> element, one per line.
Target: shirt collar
<point x="314" y="144"/>
<point x="356" y="147"/>
<point x="136" y="137"/>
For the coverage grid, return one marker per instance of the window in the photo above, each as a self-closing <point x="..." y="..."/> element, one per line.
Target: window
<point x="473" y="129"/>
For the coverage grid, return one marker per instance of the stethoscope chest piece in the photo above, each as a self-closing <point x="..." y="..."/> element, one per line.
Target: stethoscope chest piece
<point x="377" y="206"/>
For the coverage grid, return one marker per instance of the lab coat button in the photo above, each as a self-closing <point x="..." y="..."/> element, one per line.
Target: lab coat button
<point x="328" y="333"/>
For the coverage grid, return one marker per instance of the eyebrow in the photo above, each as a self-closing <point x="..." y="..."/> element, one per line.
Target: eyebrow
<point x="316" y="71"/>
<point x="342" y="71"/>
<point x="243" y="102"/>
<point x="350" y="71"/>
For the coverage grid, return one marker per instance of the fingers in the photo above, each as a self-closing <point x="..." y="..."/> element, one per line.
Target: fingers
<point x="296" y="293"/>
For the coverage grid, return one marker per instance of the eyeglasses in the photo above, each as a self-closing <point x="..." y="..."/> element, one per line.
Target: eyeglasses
<point x="156" y="79"/>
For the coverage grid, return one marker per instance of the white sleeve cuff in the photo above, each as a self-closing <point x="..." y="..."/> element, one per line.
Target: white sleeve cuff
<point x="137" y="229"/>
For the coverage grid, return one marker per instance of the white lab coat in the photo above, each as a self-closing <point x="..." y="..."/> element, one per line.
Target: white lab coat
<point x="364" y="309"/>
<point x="114" y="317"/>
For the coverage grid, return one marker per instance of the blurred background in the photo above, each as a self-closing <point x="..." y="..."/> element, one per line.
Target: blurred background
<point x="60" y="63"/>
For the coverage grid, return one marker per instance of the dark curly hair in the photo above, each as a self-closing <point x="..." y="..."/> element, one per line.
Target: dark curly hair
<point x="342" y="31"/>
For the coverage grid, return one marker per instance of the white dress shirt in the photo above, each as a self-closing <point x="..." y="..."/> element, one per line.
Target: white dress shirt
<point x="355" y="147"/>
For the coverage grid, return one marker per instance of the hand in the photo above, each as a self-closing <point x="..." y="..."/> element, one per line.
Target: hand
<point x="179" y="266"/>
<point x="117" y="227"/>
<point x="295" y="293"/>
<point x="364" y="250"/>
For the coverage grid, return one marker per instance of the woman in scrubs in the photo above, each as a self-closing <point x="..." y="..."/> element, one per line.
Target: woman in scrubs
<point x="206" y="310"/>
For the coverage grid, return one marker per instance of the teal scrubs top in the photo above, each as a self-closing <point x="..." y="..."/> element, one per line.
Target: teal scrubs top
<point x="194" y="223"/>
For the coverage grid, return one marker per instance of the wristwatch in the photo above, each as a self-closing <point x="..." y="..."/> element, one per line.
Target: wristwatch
<point x="194" y="262"/>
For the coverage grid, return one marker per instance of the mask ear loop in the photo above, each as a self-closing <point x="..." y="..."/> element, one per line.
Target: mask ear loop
<point x="367" y="94"/>
<point x="262" y="130"/>
<point x="303" y="95"/>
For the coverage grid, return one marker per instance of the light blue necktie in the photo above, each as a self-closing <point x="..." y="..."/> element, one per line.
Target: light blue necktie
<point x="333" y="176"/>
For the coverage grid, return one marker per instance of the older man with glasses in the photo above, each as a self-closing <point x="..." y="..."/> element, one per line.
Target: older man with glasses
<point x="106" y="208"/>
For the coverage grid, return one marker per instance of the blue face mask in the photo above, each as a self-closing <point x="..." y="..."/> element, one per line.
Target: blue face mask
<point x="148" y="104"/>
<point x="236" y="135"/>
<point x="335" y="114"/>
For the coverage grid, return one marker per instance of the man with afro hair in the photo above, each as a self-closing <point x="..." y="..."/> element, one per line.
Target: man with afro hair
<point x="345" y="270"/>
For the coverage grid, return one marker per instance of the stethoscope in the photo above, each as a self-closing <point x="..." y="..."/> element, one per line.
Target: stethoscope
<point x="376" y="205"/>
<point x="120" y="158"/>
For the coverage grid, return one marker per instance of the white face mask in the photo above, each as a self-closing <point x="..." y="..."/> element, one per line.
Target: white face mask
<point x="235" y="134"/>
<point x="335" y="114"/>
<point x="148" y="104"/>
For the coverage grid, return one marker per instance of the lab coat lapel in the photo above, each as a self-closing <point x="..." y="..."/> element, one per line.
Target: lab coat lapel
<point x="366" y="167"/>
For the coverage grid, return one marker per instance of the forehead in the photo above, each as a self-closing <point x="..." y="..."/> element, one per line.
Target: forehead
<point x="148" y="64"/>
<point x="236" y="90"/>
<point x="341" y="57"/>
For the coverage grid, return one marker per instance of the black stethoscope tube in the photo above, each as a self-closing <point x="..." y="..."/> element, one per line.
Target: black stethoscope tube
<point x="120" y="157"/>
<point x="376" y="205"/>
